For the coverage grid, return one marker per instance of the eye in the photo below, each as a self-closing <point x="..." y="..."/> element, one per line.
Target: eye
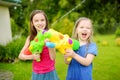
<point x="42" y="19"/>
<point x="36" y="20"/>
<point x="88" y="27"/>
<point x="81" y="27"/>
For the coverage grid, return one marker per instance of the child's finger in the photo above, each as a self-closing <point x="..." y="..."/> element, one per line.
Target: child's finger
<point x="46" y="40"/>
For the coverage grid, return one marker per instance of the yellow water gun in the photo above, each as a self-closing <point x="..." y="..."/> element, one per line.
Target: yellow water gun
<point x="62" y="42"/>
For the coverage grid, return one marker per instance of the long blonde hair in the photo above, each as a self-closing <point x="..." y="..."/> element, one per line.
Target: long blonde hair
<point x="75" y="35"/>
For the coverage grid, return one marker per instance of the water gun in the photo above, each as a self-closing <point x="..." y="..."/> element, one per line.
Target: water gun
<point x="61" y="42"/>
<point x="37" y="44"/>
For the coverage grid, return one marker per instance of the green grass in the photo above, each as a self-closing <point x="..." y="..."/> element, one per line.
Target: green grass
<point x="105" y="66"/>
<point x="21" y="70"/>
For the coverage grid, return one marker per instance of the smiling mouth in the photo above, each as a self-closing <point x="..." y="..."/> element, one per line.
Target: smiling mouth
<point x="84" y="35"/>
<point x="39" y="27"/>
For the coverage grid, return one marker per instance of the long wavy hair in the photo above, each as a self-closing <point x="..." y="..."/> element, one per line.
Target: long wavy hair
<point x="33" y="31"/>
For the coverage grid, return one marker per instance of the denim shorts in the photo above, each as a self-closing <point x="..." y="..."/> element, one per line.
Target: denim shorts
<point x="46" y="76"/>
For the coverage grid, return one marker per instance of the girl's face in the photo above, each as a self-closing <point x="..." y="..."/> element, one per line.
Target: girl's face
<point x="84" y="29"/>
<point x="39" y="21"/>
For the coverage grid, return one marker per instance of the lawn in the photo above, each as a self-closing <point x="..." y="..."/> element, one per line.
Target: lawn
<point x="105" y="64"/>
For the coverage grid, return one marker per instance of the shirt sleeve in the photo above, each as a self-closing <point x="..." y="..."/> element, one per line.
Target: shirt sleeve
<point x="92" y="49"/>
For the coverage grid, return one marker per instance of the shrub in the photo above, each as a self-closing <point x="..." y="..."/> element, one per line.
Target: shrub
<point x="15" y="28"/>
<point x="2" y="52"/>
<point x="14" y="47"/>
<point x="11" y="50"/>
<point x="117" y="32"/>
<point x="117" y="41"/>
<point x="65" y="26"/>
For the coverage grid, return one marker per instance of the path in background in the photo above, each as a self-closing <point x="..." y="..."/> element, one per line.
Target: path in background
<point x="6" y="75"/>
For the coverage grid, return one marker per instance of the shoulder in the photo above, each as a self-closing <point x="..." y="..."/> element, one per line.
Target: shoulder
<point x="27" y="40"/>
<point x="92" y="44"/>
<point x="92" y="48"/>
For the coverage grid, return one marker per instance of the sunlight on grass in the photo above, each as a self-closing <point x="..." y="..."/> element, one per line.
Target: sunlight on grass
<point x="105" y="66"/>
<point x="61" y="67"/>
<point x="21" y="70"/>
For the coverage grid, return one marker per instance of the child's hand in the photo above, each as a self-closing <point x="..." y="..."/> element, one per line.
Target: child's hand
<point x="36" y="56"/>
<point x="47" y="40"/>
<point x="69" y="53"/>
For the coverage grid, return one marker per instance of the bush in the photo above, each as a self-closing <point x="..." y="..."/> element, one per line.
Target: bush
<point x="65" y="26"/>
<point x="2" y="52"/>
<point x="15" y="28"/>
<point x="26" y="28"/>
<point x="118" y="41"/>
<point x="117" y="32"/>
<point x="11" y="50"/>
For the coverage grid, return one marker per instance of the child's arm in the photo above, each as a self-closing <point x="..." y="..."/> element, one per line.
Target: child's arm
<point x="84" y="61"/>
<point x="52" y="50"/>
<point x="52" y="53"/>
<point x="22" y="56"/>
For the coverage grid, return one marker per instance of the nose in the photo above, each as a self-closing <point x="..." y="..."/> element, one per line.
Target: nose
<point x="84" y="28"/>
<point x="39" y="22"/>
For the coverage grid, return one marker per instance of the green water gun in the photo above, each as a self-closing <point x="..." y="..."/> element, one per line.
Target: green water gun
<point x="37" y="44"/>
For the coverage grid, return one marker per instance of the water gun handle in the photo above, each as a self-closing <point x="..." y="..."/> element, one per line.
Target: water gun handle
<point x="28" y="52"/>
<point x="50" y="44"/>
<point x="69" y="59"/>
<point x="38" y="60"/>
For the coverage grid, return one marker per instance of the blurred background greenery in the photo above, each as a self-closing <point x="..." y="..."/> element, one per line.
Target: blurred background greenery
<point x="106" y="21"/>
<point x="104" y="13"/>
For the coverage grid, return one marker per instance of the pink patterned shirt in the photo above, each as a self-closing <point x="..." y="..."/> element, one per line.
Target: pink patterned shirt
<point x="45" y="64"/>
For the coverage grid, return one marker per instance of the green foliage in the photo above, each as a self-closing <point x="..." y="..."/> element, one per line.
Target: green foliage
<point x="63" y="3"/>
<point x="104" y="23"/>
<point x="74" y="16"/>
<point x="103" y="13"/>
<point x="15" y="28"/>
<point x="117" y="41"/>
<point x="2" y="52"/>
<point x="26" y="28"/>
<point x="11" y="50"/>
<point x="117" y="32"/>
<point x="65" y="26"/>
<point x="17" y="14"/>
